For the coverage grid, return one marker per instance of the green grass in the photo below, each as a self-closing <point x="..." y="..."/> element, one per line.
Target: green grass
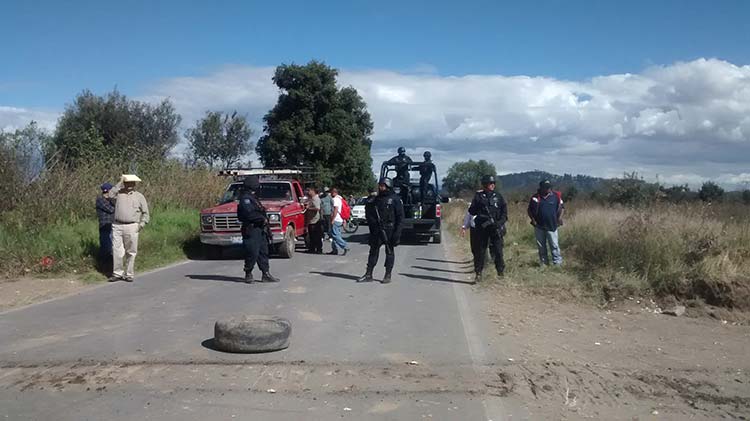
<point x="73" y="245"/>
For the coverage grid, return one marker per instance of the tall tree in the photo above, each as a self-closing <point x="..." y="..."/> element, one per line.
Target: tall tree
<point x="115" y="126"/>
<point x="465" y="176"/>
<point x="220" y="139"/>
<point x="316" y="124"/>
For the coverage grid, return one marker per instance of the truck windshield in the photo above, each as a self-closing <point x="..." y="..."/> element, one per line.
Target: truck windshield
<point x="268" y="191"/>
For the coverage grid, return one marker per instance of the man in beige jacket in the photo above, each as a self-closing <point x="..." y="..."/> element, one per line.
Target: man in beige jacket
<point x="131" y="215"/>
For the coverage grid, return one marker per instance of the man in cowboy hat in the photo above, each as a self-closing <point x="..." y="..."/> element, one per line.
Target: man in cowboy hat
<point x="131" y="215"/>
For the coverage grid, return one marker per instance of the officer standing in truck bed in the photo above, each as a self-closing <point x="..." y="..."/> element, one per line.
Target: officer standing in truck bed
<point x="491" y="212"/>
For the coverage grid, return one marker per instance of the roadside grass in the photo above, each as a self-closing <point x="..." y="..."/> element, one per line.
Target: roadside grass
<point x="72" y="247"/>
<point x="691" y="252"/>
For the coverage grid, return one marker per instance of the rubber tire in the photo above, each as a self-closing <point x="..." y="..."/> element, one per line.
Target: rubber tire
<point x="286" y="248"/>
<point x="437" y="238"/>
<point x="250" y="334"/>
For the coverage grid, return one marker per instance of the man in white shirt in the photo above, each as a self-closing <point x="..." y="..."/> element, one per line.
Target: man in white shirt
<point x="337" y="224"/>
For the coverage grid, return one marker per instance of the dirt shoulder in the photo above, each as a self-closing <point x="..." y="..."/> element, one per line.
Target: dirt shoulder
<point x="24" y="291"/>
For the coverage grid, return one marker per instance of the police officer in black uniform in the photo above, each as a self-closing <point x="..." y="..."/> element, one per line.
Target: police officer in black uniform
<point x="401" y="163"/>
<point x="491" y="213"/>
<point x="384" y="213"/>
<point x="255" y="231"/>
<point x="426" y="169"/>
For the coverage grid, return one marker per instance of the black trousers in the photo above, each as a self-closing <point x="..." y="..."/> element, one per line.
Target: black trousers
<point x="325" y="223"/>
<point x="315" y="231"/>
<point x="105" y="248"/>
<point x="377" y="241"/>
<point x="480" y="239"/>
<point x="255" y="242"/>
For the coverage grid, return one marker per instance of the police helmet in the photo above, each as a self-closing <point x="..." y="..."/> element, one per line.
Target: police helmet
<point x="251" y="183"/>
<point x="488" y="179"/>
<point x="387" y="182"/>
<point x="401" y="150"/>
<point x="427" y="155"/>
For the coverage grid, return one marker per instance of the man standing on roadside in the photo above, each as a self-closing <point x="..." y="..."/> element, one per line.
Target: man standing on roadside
<point x="255" y="232"/>
<point x="105" y="211"/>
<point x="314" y="222"/>
<point x="337" y="224"/>
<point x="546" y="211"/>
<point x="491" y="213"/>
<point x="326" y="209"/>
<point x="131" y="215"/>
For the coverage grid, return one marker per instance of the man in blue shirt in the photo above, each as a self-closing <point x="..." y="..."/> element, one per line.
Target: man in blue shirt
<point x="546" y="211"/>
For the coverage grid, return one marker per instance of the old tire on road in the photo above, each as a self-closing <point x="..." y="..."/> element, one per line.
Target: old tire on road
<point x="286" y="248"/>
<point x="249" y="334"/>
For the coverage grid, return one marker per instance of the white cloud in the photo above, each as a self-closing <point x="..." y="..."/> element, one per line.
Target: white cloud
<point x="12" y="118"/>
<point x="686" y="121"/>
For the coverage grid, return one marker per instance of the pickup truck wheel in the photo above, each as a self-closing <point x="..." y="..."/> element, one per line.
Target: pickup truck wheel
<point x="247" y="334"/>
<point x="437" y="238"/>
<point x="286" y="248"/>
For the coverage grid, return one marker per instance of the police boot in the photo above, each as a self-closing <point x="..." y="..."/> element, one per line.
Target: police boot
<point x="367" y="277"/>
<point x="387" y="277"/>
<point x="267" y="277"/>
<point x="249" y="278"/>
<point x="477" y="277"/>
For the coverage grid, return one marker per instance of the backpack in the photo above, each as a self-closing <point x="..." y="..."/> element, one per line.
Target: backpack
<point x="346" y="211"/>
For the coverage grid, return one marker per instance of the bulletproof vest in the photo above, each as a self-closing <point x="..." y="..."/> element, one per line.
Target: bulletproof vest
<point x="492" y="202"/>
<point x="385" y="205"/>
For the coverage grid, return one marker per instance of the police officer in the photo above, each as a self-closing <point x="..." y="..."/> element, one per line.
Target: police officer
<point x="401" y="163"/>
<point x="384" y="213"/>
<point x="491" y="213"/>
<point x="255" y="231"/>
<point x="426" y="169"/>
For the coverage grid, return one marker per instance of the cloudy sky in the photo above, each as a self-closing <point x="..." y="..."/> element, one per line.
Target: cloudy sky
<point x="574" y="87"/>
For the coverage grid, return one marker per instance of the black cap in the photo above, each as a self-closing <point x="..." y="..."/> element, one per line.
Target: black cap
<point x="545" y="184"/>
<point x="251" y="183"/>
<point x="488" y="179"/>
<point x="387" y="182"/>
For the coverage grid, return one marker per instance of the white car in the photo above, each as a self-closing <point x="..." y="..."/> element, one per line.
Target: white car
<point x="358" y="211"/>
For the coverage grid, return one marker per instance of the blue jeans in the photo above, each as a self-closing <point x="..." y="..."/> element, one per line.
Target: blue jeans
<point x="542" y="239"/>
<point x="338" y="241"/>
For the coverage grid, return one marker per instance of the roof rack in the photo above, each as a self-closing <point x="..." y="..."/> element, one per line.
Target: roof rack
<point x="244" y="172"/>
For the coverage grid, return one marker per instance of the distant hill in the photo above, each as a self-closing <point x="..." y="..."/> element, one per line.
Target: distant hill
<point x="529" y="181"/>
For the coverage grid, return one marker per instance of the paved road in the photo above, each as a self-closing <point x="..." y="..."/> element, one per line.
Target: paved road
<point x="142" y="350"/>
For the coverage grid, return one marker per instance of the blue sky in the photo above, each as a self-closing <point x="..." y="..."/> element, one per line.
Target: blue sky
<point x="59" y="48"/>
<point x="598" y="87"/>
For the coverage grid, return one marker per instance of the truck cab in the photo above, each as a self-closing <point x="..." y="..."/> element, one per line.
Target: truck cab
<point x="281" y="193"/>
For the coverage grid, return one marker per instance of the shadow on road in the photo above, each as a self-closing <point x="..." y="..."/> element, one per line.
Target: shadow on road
<point x="337" y="275"/>
<point x="442" y="270"/>
<point x="444" y="261"/>
<point x="221" y="278"/>
<point x="435" y="278"/>
<point x="209" y="344"/>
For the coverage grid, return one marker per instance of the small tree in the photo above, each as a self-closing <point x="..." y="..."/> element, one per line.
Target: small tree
<point x="570" y="194"/>
<point x="466" y="176"/>
<point x="677" y="194"/>
<point x="112" y="125"/>
<point x="632" y="190"/>
<point x="219" y="139"/>
<point x="746" y="197"/>
<point x="710" y="192"/>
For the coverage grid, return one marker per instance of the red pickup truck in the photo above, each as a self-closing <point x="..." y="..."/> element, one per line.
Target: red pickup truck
<point x="281" y="193"/>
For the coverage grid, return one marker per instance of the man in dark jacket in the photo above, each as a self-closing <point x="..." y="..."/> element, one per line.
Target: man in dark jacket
<point x="384" y="214"/>
<point x="546" y="210"/>
<point x="255" y="231"/>
<point x="105" y="211"/>
<point x="491" y="212"/>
